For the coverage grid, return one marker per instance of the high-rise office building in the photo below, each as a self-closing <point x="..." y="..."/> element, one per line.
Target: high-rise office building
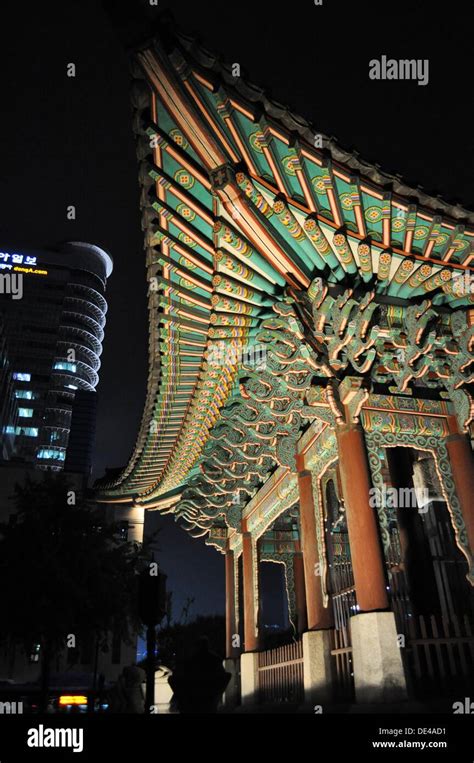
<point x="52" y="313"/>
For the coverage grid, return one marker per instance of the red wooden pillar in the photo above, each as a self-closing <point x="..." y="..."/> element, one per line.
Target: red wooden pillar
<point x="249" y="572"/>
<point x="300" y="593"/>
<point x="318" y="616"/>
<point x="230" y="593"/>
<point x="366" y="550"/>
<point x="462" y="467"/>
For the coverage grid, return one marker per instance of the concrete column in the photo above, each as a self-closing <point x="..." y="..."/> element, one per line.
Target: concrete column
<point x="249" y="678"/>
<point x="163" y="691"/>
<point x="300" y="593"/>
<point x="318" y="615"/>
<point x="425" y="479"/>
<point x="135" y="516"/>
<point x="230" y="592"/>
<point x="379" y="675"/>
<point x="318" y="666"/>
<point x="366" y="550"/>
<point x="462" y="467"/>
<point x="250" y="572"/>
<point x="416" y="557"/>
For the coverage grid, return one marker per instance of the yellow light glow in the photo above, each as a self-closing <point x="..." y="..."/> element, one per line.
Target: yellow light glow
<point x="73" y="699"/>
<point x="33" y="271"/>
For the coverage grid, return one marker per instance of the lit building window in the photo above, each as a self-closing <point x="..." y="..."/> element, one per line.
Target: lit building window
<point x="24" y="394"/>
<point x="54" y="453"/>
<point x="26" y="413"/>
<point x="20" y="376"/>
<point x="9" y="430"/>
<point x="27" y="431"/>
<point x="63" y="365"/>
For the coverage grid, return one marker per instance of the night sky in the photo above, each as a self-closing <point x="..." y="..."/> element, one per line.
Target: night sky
<point x="69" y="141"/>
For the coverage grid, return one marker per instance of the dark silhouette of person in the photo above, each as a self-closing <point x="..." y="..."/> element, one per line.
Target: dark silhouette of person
<point x="199" y="681"/>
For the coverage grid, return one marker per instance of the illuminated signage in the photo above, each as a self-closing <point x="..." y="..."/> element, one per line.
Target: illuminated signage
<point x="17" y="259"/>
<point x="72" y="699"/>
<point x="21" y="263"/>
<point x="35" y="271"/>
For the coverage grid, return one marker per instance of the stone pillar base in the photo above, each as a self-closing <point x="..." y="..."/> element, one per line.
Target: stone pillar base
<point x="231" y="696"/>
<point x="248" y="678"/>
<point x="317" y="666"/>
<point x="379" y="675"/>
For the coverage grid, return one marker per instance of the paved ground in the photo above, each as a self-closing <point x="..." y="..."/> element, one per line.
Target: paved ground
<point x="415" y="708"/>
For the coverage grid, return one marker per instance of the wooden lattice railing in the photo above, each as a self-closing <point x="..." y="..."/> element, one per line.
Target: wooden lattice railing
<point x="441" y="653"/>
<point x="344" y="672"/>
<point x="280" y="674"/>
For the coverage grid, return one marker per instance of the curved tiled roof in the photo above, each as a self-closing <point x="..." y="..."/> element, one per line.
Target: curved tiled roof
<point x="239" y="203"/>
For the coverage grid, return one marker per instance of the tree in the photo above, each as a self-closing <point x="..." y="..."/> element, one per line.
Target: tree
<point x="64" y="571"/>
<point x="178" y="640"/>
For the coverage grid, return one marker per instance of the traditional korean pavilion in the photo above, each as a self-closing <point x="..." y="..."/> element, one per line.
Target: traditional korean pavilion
<point x="311" y="329"/>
